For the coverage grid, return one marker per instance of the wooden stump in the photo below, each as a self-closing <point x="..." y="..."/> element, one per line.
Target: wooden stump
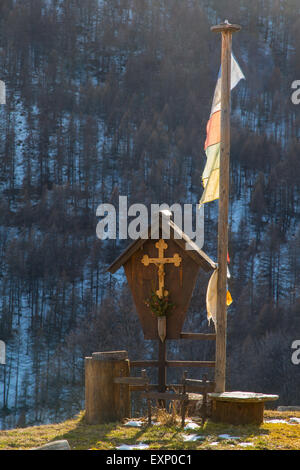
<point x="237" y="413"/>
<point x="239" y="407"/>
<point x="106" y="401"/>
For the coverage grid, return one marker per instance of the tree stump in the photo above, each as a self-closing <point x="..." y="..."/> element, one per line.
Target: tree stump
<point x="239" y="407"/>
<point x="106" y="401"/>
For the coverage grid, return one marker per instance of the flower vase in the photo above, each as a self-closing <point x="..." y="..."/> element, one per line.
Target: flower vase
<point x="162" y="327"/>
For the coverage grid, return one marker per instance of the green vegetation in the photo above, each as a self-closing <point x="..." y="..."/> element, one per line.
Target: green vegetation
<point x="165" y="436"/>
<point x="159" y="306"/>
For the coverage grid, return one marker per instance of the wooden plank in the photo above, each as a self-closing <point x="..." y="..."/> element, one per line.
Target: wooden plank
<point x="141" y="388"/>
<point x="176" y="387"/>
<point x="195" y="253"/>
<point x="198" y="336"/>
<point x="145" y="363"/>
<point x="197" y="389"/>
<point x="173" y="363"/>
<point x="194" y="389"/>
<point x="163" y="396"/>
<point x="190" y="363"/>
<point x="131" y="380"/>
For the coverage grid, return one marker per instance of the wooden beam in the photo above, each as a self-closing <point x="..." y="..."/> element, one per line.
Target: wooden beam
<point x="210" y="387"/>
<point x="196" y="389"/>
<point x="190" y="363"/>
<point x="145" y="363"/>
<point x="121" y="260"/>
<point x="131" y="380"/>
<point x="141" y="388"/>
<point x="173" y="363"/>
<point x="163" y="396"/>
<point x="198" y="336"/>
<point x="221" y="325"/>
<point x="196" y="254"/>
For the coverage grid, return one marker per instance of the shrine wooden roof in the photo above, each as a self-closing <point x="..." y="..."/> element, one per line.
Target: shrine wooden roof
<point x="195" y="253"/>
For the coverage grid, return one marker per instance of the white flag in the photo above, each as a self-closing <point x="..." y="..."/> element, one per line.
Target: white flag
<point x="236" y="76"/>
<point x="2" y="93"/>
<point x="2" y="352"/>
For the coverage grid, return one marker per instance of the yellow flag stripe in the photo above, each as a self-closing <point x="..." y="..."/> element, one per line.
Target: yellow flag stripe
<point x="210" y="176"/>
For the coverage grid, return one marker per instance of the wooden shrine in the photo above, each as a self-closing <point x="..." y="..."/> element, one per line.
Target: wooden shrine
<point x="164" y="267"/>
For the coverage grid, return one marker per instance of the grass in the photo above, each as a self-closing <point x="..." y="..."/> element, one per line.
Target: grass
<point x="167" y="436"/>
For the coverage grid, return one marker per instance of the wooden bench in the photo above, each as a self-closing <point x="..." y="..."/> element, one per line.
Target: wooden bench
<point x="189" y="391"/>
<point x="239" y="407"/>
<point x="202" y="387"/>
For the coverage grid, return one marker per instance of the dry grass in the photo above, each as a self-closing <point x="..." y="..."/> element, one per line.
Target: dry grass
<point x="166" y="418"/>
<point x="168" y="435"/>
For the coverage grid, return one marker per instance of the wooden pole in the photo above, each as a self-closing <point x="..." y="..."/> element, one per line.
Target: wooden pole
<point x="226" y="29"/>
<point x="162" y="371"/>
<point x="162" y="356"/>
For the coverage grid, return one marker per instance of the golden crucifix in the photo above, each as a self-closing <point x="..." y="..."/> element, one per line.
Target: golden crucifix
<point x="160" y="262"/>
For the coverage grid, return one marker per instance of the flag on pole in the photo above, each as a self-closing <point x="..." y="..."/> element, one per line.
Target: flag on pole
<point x="212" y="297"/>
<point x="2" y="93"/>
<point x="210" y="176"/>
<point x="2" y="352"/>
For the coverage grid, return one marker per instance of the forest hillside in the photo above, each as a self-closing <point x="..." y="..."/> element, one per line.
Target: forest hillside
<point x="108" y="98"/>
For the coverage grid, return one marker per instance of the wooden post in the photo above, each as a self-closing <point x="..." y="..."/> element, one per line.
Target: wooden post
<point x="162" y="370"/>
<point x="106" y="401"/>
<point x="220" y="371"/>
<point x="162" y="366"/>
